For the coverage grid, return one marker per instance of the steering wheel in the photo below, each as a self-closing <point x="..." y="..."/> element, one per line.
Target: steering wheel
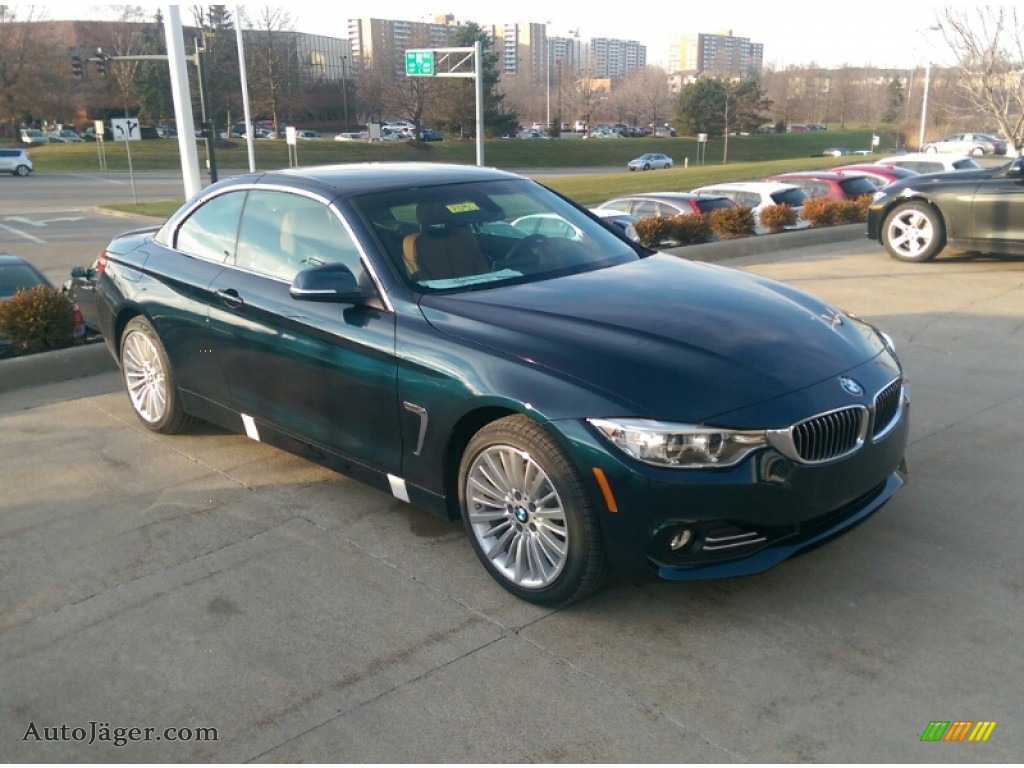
<point x="526" y="252"/>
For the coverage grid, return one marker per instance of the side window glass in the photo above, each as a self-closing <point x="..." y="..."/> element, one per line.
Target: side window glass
<point x="645" y="208"/>
<point x="211" y="230"/>
<point x="281" y="234"/>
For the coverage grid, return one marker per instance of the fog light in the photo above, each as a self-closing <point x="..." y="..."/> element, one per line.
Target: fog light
<point x="681" y="539"/>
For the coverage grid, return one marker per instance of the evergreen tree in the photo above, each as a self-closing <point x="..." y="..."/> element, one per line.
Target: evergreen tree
<point x="894" y="101"/>
<point x="455" y="102"/>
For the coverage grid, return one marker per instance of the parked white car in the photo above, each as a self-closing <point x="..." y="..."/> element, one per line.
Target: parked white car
<point x="15" y="160"/>
<point x="758" y="195"/>
<point x="930" y="162"/>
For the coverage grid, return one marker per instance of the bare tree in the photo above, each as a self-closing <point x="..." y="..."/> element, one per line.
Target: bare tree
<point x="988" y="42"/>
<point x="408" y="97"/>
<point x="34" y="73"/>
<point x="128" y="37"/>
<point x="642" y="97"/>
<point x="270" y="62"/>
<point x="589" y="95"/>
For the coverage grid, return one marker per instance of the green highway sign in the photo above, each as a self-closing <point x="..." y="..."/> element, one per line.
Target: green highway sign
<point x="419" y="63"/>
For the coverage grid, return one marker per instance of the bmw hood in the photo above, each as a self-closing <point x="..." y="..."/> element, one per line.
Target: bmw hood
<point x="665" y="337"/>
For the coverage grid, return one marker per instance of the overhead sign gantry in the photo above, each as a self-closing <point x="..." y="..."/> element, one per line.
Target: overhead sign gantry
<point x="453" y="62"/>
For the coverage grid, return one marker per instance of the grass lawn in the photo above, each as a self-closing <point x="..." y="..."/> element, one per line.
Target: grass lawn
<point x="749" y="157"/>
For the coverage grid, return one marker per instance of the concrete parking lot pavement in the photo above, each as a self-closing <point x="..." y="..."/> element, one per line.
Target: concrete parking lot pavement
<point x="245" y="605"/>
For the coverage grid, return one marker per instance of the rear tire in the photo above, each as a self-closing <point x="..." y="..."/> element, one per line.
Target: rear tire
<point x="527" y="514"/>
<point x="150" y="381"/>
<point x="913" y="232"/>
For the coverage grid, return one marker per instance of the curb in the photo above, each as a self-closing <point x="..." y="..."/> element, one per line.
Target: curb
<point x="57" y="365"/>
<point x="761" y="244"/>
<point x="90" y="359"/>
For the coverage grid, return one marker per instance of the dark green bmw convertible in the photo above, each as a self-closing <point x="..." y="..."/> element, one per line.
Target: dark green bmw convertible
<point x="478" y="346"/>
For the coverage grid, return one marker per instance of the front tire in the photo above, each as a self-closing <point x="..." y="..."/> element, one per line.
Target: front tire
<point x="21" y="170"/>
<point x="527" y="514"/>
<point x="914" y="232"/>
<point x="150" y="381"/>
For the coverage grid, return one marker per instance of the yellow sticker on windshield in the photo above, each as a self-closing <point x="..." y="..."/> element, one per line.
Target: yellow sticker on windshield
<point x="462" y="207"/>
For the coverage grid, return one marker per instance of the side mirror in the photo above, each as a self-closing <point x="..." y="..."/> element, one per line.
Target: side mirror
<point x="329" y="282"/>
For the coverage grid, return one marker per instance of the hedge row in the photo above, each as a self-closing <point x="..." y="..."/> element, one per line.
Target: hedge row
<point x="730" y="223"/>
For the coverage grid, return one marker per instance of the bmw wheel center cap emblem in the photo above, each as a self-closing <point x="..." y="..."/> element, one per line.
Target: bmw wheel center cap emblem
<point x="850" y="386"/>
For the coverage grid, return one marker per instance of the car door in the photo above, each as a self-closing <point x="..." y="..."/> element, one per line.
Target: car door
<point x="323" y="371"/>
<point x="178" y="300"/>
<point x="997" y="213"/>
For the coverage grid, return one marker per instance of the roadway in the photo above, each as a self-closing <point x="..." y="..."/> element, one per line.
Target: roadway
<point x="207" y="581"/>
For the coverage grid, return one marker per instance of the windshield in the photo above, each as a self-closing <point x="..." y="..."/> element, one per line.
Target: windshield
<point x="480" y="234"/>
<point x="857" y="185"/>
<point x="791" y="197"/>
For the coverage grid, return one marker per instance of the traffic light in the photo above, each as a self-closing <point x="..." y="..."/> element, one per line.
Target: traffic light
<point x="76" y="66"/>
<point x="101" y="67"/>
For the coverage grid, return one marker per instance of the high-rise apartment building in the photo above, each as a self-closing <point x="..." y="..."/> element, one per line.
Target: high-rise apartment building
<point x="609" y="59"/>
<point x="388" y="38"/>
<point x="719" y="54"/>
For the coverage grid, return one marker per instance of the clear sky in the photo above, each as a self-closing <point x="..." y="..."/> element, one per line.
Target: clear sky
<point x="827" y="33"/>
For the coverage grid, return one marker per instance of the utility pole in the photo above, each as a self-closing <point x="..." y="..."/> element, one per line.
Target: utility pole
<point x="207" y="126"/>
<point x="344" y="87"/>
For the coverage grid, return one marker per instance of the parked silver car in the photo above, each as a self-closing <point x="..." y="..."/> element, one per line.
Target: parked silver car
<point x="33" y="136"/>
<point x="976" y="144"/>
<point x="649" y="160"/>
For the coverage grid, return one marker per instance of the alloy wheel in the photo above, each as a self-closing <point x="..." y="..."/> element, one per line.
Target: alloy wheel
<point x="144" y="376"/>
<point x="517" y="516"/>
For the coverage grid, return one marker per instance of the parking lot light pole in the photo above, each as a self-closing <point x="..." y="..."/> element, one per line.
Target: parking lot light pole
<point x="924" y="99"/>
<point x="924" y="106"/>
<point x="547" y="73"/>
<point x="344" y="87"/>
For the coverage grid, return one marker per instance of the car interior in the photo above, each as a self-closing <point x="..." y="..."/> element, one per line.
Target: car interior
<point x="465" y="235"/>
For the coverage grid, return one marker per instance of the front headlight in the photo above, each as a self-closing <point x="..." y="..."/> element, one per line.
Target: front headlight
<point x="682" y="446"/>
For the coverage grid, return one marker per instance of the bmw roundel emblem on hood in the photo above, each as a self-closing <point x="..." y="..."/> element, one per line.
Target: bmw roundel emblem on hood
<point x="850" y="386"/>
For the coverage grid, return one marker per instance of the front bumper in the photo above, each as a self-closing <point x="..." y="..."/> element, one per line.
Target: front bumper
<point x="738" y="520"/>
<point x="802" y="538"/>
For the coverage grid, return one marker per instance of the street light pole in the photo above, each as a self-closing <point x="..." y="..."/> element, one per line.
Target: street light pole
<point x="547" y="71"/>
<point x="344" y="87"/>
<point x="924" y="100"/>
<point x="924" y="105"/>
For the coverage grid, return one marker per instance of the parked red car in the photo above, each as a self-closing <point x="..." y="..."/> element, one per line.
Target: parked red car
<point x="879" y="175"/>
<point x="834" y="186"/>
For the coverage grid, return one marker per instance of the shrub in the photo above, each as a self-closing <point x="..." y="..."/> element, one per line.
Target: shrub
<point x="730" y="223"/>
<point x="820" y="211"/>
<point x="37" y="319"/>
<point x="689" y="228"/>
<point x="775" y="218"/>
<point x="861" y="205"/>
<point x="652" y="230"/>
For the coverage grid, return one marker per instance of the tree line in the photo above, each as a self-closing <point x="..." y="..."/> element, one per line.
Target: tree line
<point x="983" y="91"/>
